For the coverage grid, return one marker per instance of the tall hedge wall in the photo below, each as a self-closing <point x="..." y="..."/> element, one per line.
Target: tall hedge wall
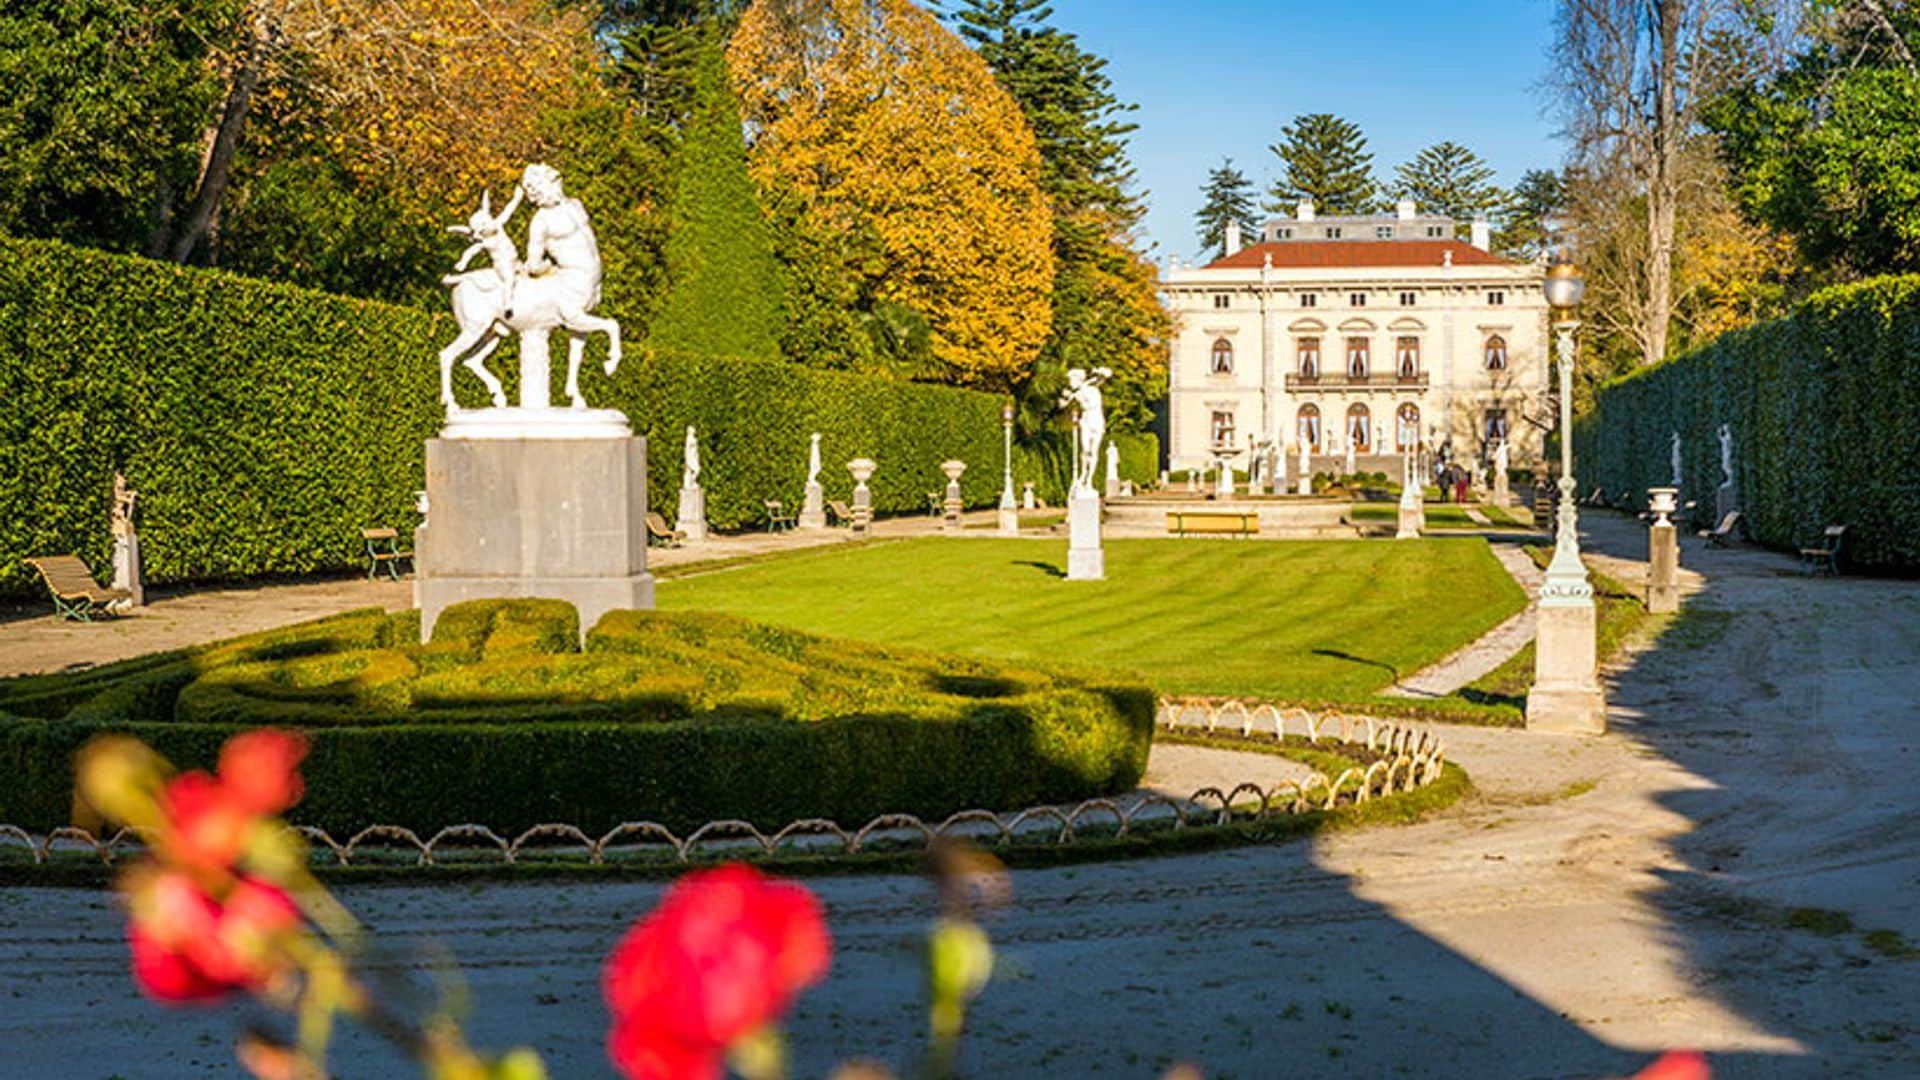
<point x="264" y="425"/>
<point x="1824" y="407"/>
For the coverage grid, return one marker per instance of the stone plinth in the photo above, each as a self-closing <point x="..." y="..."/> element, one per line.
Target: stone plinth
<point x="1725" y="502"/>
<point x="813" y="511"/>
<point x="1663" y="569"/>
<point x="1086" y="560"/>
<point x="562" y="518"/>
<point x="126" y="568"/>
<point x="1566" y="695"/>
<point x="692" y="519"/>
<point x="1413" y="518"/>
<point x="951" y="508"/>
<point x="1009" y="521"/>
<point x="1502" y="496"/>
<point x="862" y="510"/>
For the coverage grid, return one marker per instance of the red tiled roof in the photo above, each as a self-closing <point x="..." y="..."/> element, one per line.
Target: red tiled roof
<point x="1357" y="253"/>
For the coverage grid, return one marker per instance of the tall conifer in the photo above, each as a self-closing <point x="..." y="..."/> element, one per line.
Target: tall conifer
<point x="1229" y="197"/>
<point x="1327" y="161"/>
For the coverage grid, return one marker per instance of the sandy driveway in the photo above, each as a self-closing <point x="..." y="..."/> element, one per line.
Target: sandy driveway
<point x="1762" y="758"/>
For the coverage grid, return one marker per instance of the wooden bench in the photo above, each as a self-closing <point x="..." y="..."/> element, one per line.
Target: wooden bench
<point x="840" y="511"/>
<point x="1724" y="533"/>
<point x="76" y="595"/>
<point x="1192" y="522"/>
<point x="659" y="533"/>
<point x="1825" y="559"/>
<point x="777" y="517"/>
<point x="383" y="549"/>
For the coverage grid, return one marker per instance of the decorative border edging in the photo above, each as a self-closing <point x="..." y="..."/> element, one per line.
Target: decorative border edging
<point x="1412" y="758"/>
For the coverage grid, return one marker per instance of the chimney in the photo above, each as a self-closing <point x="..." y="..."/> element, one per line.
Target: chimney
<point x="1233" y="238"/>
<point x="1482" y="234"/>
<point x="1406" y="209"/>
<point x="1303" y="210"/>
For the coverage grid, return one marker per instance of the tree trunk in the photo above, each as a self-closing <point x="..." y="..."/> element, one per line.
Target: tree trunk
<point x="219" y="167"/>
<point x="1663" y="186"/>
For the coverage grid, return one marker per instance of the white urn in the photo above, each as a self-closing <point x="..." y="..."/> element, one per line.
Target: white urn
<point x="862" y="470"/>
<point x="1661" y="501"/>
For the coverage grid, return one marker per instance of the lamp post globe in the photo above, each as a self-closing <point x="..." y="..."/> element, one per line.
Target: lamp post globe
<point x="1564" y="286"/>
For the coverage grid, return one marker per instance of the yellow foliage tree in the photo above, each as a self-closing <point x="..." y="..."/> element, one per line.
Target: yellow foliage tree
<point x="874" y="116"/>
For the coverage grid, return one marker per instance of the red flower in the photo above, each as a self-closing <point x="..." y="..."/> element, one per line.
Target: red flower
<point x="1677" y="1065"/>
<point x="722" y="956"/>
<point x="261" y="769"/>
<point x="189" y="947"/>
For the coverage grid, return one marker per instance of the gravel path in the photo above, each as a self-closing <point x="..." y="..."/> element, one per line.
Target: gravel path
<point x="1597" y="900"/>
<point x="1493" y="648"/>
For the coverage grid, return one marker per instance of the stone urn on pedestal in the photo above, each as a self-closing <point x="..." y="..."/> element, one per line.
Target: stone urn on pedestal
<point x="861" y="469"/>
<point x="1663" y="553"/>
<point x="951" y="505"/>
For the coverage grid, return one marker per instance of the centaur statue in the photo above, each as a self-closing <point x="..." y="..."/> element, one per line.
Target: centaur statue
<point x="557" y="286"/>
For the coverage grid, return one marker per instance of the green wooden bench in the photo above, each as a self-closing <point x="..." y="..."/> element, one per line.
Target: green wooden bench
<point x="1724" y="534"/>
<point x="1824" y="559"/>
<point x="659" y="533"/>
<point x="76" y="595"/>
<point x="778" y="519"/>
<point x="383" y="549"/>
<point x="840" y="511"/>
<point x="1223" y="522"/>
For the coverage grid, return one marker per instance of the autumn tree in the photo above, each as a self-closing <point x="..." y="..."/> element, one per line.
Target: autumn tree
<point x="1228" y="197"/>
<point x="871" y="117"/>
<point x="723" y="297"/>
<point x="1451" y="180"/>
<point x="1325" y="160"/>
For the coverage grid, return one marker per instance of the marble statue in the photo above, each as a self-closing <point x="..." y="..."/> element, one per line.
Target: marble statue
<point x="557" y="286"/>
<point x="124" y="499"/>
<point x="126" y="545"/>
<point x="1500" y="459"/>
<point x="1113" y="469"/>
<point x="1083" y="394"/>
<point x="813" y="461"/>
<point x="1726" y="455"/>
<point x="1674" y="454"/>
<point x="690" y="470"/>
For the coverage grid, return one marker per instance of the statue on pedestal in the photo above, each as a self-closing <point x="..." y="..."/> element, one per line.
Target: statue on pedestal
<point x="558" y="286"/>
<point x="126" y="543"/>
<point x="1726" y="455"/>
<point x="1083" y="394"/>
<point x="1674" y="454"/>
<point x="813" y="461"/>
<point x="690" y="469"/>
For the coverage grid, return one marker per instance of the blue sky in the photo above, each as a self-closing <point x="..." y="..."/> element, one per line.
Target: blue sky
<point x="1220" y="77"/>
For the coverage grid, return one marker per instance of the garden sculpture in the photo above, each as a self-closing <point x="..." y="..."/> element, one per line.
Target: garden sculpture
<point x="690" y="471"/>
<point x="813" y="461"/>
<point x="1726" y="455"/>
<point x="1083" y="393"/>
<point x="557" y="286"/>
<point x="1675" y="454"/>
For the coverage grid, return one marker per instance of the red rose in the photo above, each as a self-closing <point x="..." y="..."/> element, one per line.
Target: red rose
<point x="189" y="947"/>
<point x="261" y="769"/>
<point x="206" y="826"/>
<point x="722" y="956"/>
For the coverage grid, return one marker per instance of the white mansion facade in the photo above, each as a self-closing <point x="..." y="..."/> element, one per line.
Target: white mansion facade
<point x="1386" y="333"/>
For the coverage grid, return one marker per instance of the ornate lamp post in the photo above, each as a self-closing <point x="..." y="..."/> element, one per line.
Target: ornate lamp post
<point x="1009" y="512"/>
<point x="1566" y="692"/>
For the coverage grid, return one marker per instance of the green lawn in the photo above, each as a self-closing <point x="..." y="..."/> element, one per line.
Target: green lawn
<point x="1306" y="621"/>
<point x="1439" y="515"/>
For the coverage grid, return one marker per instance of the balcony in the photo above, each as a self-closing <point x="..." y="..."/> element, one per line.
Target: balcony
<point x="1340" y="380"/>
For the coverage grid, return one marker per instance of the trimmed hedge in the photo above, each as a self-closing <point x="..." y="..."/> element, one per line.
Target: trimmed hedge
<point x="264" y="425"/>
<point x="1825" y="414"/>
<point x="680" y="719"/>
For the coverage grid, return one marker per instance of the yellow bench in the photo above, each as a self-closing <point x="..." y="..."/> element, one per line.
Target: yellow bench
<point x="1187" y="522"/>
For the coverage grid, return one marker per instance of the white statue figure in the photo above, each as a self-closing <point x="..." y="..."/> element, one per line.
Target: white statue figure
<point x="813" y="461"/>
<point x="1113" y="467"/>
<point x="489" y="235"/>
<point x="557" y="286"/>
<point x="1083" y="393"/>
<point x="1500" y="460"/>
<point x="690" y="469"/>
<point x="1726" y="455"/>
<point x="1674" y="453"/>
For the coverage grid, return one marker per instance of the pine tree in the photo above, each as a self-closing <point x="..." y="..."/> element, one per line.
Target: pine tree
<point x="723" y="294"/>
<point x="1104" y="307"/>
<point x="1528" y="226"/>
<point x="1451" y="180"/>
<point x="1327" y="161"/>
<point x="1229" y="196"/>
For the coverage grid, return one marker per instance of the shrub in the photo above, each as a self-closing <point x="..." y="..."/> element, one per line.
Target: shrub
<point x="1825" y="417"/>
<point x="264" y="425"/>
<point x="680" y="718"/>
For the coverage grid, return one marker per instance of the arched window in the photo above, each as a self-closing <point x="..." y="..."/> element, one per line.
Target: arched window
<point x="1406" y="428"/>
<point x="1360" y="429"/>
<point x="1309" y="352"/>
<point x="1222" y="357"/>
<point x="1357" y="357"/>
<point x="1309" y="424"/>
<point x="1406" y="356"/>
<point x="1496" y="353"/>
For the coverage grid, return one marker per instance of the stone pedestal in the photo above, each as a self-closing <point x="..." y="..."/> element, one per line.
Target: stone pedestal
<point x="1502" y="496"/>
<point x="1086" y="560"/>
<point x="126" y="568"/>
<point x="813" y="510"/>
<point x="950" y="508"/>
<point x="1224" y="488"/>
<point x="1725" y="502"/>
<point x="1566" y="695"/>
<point x="558" y="518"/>
<point x="1009" y="521"/>
<point x="1663" y="566"/>
<point x="692" y="519"/>
<point x="862" y="510"/>
<point x="1413" y="518"/>
<point x="1027" y="500"/>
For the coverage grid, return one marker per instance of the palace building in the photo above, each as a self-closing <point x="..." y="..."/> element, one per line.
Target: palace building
<point x="1385" y="333"/>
